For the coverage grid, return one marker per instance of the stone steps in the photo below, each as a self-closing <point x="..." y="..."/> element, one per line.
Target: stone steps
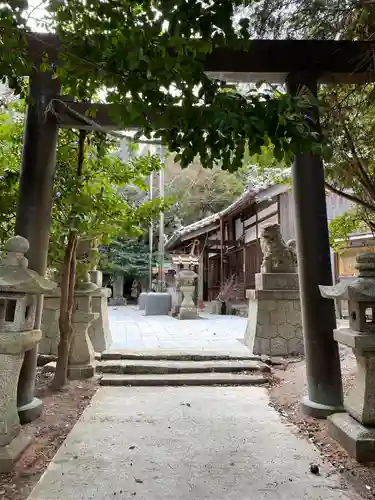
<point x="176" y="368"/>
<point x="170" y="367"/>
<point x="183" y="379"/>
<point x="175" y="355"/>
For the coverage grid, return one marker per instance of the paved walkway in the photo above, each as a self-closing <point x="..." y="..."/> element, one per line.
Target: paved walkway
<point x="131" y="329"/>
<point x="206" y="443"/>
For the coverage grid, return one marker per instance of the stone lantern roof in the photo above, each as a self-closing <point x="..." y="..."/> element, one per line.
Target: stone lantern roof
<point x="362" y="289"/>
<point x="14" y="273"/>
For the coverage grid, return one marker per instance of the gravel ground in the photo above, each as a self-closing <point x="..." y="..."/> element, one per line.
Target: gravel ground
<point x="287" y="390"/>
<point x="61" y="412"/>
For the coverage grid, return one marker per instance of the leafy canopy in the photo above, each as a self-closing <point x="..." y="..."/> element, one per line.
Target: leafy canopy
<point x="93" y="201"/>
<point x="150" y="57"/>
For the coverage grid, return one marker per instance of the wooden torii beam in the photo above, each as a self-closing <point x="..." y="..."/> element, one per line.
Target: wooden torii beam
<point x="270" y="60"/>
<point x="298" y="62"/>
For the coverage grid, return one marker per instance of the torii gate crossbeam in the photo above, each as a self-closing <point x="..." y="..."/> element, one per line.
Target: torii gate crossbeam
<point x="300" y="62"/>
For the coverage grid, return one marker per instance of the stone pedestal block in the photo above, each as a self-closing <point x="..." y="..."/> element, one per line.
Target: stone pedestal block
<point x="355" y="438"/>
<point x="158" y="303"/>
<point x="82" y="355"/>
<point x="274" y="325"/>
<point x="13" y="346"/>
<point x="186" y="282"/>
<point x="118" y="290"/>
<point x="142" y="301"/>
<point x="96" y="278"/>
<point x="119" y="301"/>
<point x="50" y="323"/>
<point x="360" y="402"/>
<point x="276" y="281"/>
<point x="188" y="310"/>
<point x="99" y="331"/>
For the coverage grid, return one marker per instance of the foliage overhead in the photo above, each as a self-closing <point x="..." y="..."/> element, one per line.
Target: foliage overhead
<point x="92" y="202"/>
<point x="198" y="192"/>
<point x="330" y="20"/>
<point x="129" y="256"/>
<point x="150" y="57"/>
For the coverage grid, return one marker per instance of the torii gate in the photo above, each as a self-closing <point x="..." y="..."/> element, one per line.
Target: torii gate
<point x="296" y="62"/>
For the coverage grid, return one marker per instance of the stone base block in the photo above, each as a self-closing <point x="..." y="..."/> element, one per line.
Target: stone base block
<point x="142" y="301"/>
<point x="216" y="306"/>
<point x="274" y="325"/>
<point x="79" y="372"/>
<point x="99" y="331"/>
<point x="357" y="440"/>
<point x="31" y="411"/>
<point x="276" y="281"/>
<point x="158" y="304"/>
<point x="319" y="410"/>
<point x="117" y="301"/>
<point x="10" y="453"/>
<point x="187" y="313"/>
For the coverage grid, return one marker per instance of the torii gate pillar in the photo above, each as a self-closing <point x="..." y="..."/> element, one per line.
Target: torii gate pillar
<point x="325" y="395"/>
<point x="34" y="211"/>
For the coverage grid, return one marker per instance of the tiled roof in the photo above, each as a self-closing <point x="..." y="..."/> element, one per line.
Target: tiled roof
<point x="249" y="195"/>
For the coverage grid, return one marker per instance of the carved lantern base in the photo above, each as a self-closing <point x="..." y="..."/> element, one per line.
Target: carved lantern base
<point x="12" y="349"/>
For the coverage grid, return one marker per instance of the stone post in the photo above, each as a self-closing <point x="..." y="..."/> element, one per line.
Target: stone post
<point x="355" y="430"/>
<point x="34" y="211"/>
<point x="118" y="298"/>
<point x="99" y="331"/>
<point x="82" y="355"/>
<point x="274" y="325"/>
<point x="19" y="288"/>
<point x="50" y="323"/>
<point x="323" y="370"/>
<point x="186" y="281"/>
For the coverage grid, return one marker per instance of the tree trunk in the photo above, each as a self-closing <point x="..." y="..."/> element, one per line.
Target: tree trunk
<point x="66" y="311"/>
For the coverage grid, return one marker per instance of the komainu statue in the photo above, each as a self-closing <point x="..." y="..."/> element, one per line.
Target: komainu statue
<point x="278" y="256"/>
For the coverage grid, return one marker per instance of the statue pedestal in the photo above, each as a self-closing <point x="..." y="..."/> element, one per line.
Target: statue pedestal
<point x="274" y="325"/>
<point x="99" y="331"/>
<point x="13" y="346"/>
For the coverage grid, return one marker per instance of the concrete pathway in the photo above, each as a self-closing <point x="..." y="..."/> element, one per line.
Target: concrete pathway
<point x="186" y="443"/>
<point x="131" y="329"/>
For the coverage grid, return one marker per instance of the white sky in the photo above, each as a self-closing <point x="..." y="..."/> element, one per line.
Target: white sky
<point x="37" y="12"/>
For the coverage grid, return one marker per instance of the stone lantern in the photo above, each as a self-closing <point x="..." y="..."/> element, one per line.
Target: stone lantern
<point x="19" y="288"/>
<point x="186" y="284"/>
<point x="82" y="355"/>
<point x="355" y="430"/>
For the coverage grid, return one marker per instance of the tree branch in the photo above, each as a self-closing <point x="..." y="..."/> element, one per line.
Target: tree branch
<point x="350" y="197"/>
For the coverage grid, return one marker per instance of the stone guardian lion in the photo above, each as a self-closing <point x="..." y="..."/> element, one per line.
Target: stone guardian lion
<point x="278" y="256"/>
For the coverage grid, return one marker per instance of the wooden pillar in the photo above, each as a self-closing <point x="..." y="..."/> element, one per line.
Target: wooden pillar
<point x="318" y="315"/>
<point x="34" y="211"/>
<point x="221" y="251"/>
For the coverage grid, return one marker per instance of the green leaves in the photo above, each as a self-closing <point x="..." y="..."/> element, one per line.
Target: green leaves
<point x="151" y="57"/>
